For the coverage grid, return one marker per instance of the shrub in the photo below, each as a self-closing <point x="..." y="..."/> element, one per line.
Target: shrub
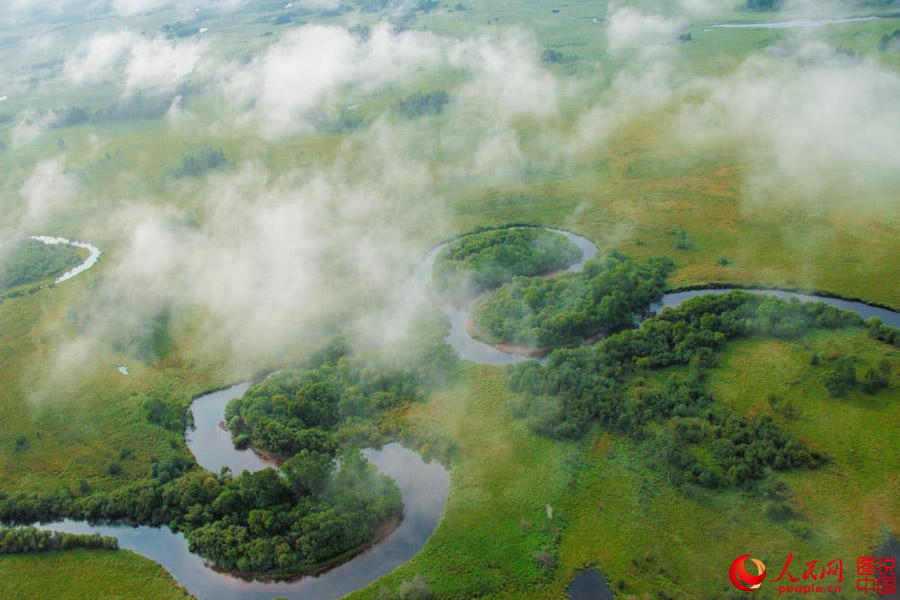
<point x="21" y="443"/>
<point x="205" y="159"/>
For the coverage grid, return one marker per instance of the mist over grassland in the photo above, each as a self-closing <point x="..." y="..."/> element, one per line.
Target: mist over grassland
<point x="328" y="197"/>
<point x="261" y="175"/>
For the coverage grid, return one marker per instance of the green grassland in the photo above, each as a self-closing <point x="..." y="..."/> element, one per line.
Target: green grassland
<point x="496" y="514"/>
<point x="87" y="574"/>
<point x="648" y="536"/>
<point x="613" y="510"/>
<point x="609" y="509"/>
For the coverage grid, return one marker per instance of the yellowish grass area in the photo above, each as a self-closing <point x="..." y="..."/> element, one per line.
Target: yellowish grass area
<point x="87" y="575"/>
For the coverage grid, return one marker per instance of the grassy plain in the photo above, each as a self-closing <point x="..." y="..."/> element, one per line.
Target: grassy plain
<point x="85" y="575"/>
<point x="616" y="511"/>
<point x="503" y="481"/>
<point x="648" y="536"/>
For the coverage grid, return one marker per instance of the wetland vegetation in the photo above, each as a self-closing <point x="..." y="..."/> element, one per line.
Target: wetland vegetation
<point x="264" y="177"/>
<point x="28" y="262"/>
<point x="607" y="296"/>
<point x="485" y="260"/>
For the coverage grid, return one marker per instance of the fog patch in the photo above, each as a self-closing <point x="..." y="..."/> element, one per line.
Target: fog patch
<point x="49" y="189"/>
<point x="817" y="128"/>
<point x="134" y="62"/>
<point x="30" y="127"/>
<point x="630" y="29"/>
<point x="281" y="89"/>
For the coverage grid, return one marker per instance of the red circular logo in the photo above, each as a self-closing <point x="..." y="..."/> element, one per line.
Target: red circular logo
<point x="742" y="579"/>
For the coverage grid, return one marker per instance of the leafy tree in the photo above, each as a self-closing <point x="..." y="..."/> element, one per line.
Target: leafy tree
<point x="874" y="380"/>
<point x="841" y="378"/>
<point x="21" y="443"/>
<point x="308" y="472"/>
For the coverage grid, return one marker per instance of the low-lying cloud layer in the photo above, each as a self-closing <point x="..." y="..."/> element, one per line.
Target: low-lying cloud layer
<point x="275" y="255"/>
<point x="817" y="128"/>
<point x="134" y="62"/>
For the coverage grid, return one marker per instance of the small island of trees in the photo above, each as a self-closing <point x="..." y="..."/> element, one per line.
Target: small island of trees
<point x="562" y="311"/>
<point x="31" y="261"/>
<point x="485" y="260"/>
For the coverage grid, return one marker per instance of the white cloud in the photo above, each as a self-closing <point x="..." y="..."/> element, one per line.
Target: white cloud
<point x="134" y="61"/>
<point x="48" y="189"/>
<point x="507" y="78"/>
<point x="30" y="127"/>
<point x="630" y="29"/>
<point x="818" y="129"/>
<point x="305" y="70"/>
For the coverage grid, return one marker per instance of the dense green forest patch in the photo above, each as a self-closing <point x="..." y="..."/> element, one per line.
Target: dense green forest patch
<point x="561" y="311"/>
<point x="695" y="440"/>
<point x="485" y="260"/>
<point x="253" y="522"/>
<point x="328" y="501"/>
<point x="21" y="540"/>
<point x="340" y="397"/>
<point x="420" y="104"/>
<point x="31" y="261"/>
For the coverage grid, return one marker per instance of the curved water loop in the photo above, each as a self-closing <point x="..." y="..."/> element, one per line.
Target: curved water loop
<point x="90" y="261"/>
<point x="459" y="338"/>
<point x="473" y="350"/>
<point x="424" y="486"/>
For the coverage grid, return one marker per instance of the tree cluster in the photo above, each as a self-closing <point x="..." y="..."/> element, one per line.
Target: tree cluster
<point x="319" y="406"/>
<point x="562" y="311"/>
<point x="21" y="540"/>
<point x="764" y="5"/>
<point x="841" y="376"/>
<point x="262" y="522"/>
<point x="139" y="106"/>
<point x="691" y="439"/>
<point x="31" y="261"/>
<point x="205" y="159"/>
<point x="488" y="259"/>
<point x="420" y="104"/>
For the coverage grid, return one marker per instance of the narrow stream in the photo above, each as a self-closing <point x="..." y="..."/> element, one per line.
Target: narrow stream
<point x="89" y="262"/>
<point x="795" y="24"/>
<point x="424" y="486"/>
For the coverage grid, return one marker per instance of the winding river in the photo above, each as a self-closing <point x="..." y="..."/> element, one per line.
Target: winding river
<point x="465" y="345"/>
<point x="90" y="261"/>
<point x="796" y="24"/>
<point x="424" y="486"/>
<point x="473" y="350"/>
